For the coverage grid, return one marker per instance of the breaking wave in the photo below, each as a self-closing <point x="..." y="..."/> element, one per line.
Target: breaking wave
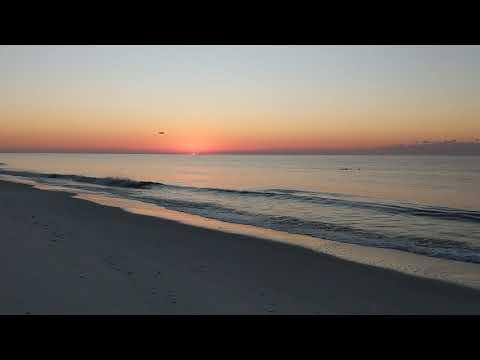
<point x="324" y="199"/>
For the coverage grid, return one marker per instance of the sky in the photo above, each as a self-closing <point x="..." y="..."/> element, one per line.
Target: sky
<point x="234" y="99"/>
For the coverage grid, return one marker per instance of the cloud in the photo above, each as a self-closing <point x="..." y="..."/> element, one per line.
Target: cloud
<point x="447" y="147"/>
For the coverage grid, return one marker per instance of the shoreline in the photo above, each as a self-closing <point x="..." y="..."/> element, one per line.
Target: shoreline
<point x="64" y="255"/>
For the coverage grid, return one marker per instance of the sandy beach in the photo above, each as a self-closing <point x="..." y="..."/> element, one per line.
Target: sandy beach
<point x="61" y="255"/>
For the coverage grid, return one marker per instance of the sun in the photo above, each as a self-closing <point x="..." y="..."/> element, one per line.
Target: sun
<point x="194" y="148"/>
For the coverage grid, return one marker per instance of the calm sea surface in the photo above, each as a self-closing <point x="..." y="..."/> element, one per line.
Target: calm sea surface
<point x="422" y="204"/>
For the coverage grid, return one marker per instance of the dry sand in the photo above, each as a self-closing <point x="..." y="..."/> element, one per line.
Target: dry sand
<point x="61" y="255"/>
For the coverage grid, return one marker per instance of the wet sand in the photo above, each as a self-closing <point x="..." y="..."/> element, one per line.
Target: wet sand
<point x="61" y="255"/>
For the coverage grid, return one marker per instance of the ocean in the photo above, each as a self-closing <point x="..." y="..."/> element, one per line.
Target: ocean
<point x="427" y="205"/>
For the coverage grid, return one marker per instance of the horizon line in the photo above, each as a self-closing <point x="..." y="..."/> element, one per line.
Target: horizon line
<point x="446" y="147"/>
<point x="237" y="153"/>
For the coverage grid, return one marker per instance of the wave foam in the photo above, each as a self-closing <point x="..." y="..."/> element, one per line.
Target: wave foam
<point x="281" y="194"/>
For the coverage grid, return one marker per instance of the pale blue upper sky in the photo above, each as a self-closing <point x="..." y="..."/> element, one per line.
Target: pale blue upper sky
<point x="282" y="70"/>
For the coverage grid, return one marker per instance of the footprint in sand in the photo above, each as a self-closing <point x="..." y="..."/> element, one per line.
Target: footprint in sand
<point x="111" y="263"/>
<point x="173" y="297"/>
<point x="271" y="308"/>
<point x="200" y="268"/>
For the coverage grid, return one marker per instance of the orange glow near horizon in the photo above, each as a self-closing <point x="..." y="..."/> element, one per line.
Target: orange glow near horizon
<point x="57" y="131"/>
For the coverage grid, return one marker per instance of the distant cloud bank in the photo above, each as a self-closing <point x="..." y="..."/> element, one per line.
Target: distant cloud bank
<point x="447" y="147"/>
